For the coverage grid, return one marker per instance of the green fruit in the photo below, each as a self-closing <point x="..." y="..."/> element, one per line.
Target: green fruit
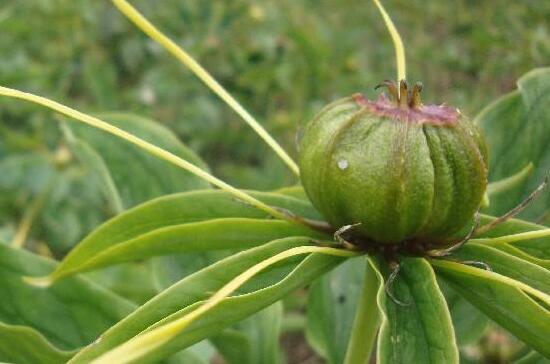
<point x="402" y="170"/>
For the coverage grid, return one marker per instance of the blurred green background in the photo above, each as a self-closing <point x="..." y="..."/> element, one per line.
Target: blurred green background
<point x="283" y="59"/>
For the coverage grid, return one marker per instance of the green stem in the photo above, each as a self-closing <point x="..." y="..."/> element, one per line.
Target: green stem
<point x="366" y="322"/>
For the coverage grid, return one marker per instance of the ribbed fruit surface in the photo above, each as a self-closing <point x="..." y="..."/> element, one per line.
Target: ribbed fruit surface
<point x="403" y="174"/>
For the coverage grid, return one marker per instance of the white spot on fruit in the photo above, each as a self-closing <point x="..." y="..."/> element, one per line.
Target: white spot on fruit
<point x="343" y="164"/>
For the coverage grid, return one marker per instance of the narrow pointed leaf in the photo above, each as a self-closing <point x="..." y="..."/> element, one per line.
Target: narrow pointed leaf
<point x="536" y="251"/>
<point x="422" y="331"/>
<point x="181" y="298"/>
<point x="508" y="265"/>
<point x="216" y="234"/>
<point x="503" y="300"/>
<point x="152" y="226"/>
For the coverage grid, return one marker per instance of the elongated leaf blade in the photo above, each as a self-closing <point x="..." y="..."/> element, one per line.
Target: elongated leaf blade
<point x="507" y="265"/>
<point x="217" y="234"/>
<point x="503" y="302"/>
<point x="153" y="226"/>
<point x="422" y="331"/>
<point x="536" y="251"/>
<point x="183" y="297"/>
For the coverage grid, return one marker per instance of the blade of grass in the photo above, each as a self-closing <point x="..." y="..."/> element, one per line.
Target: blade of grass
<point x="151" y="148"/>
<point x="397" y="43"/>
<point x="142" y="23"/>
<point x="143" y="344"/>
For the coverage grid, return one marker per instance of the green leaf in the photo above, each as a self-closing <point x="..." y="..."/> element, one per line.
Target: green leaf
<point x="177" y="223"/>
<point x="96" y="164"/>
<point x="216" y="234"/>
<point x="331" y="307"/>
<point x="505" y="184"/>
<point x="69" y="315"/>
<point x="134" y="281"/>
<point x="294" y="191"/>
<point x="422" y="331"/>
<point x="468" y="322"/>
<point x="536" y="251"/>
<point x="233" y="345"/>
<point x="137" y="175"/>
<point x="532" y="358"/>
<point x="503" y="299"/>
<point x="127" y="175"/>
<point x="263" y="330"/>
<point x="518" y="132"/>
<point x="254" y="340"/>
<point x="183" y="297"/>
<point x="507" y="265"/>
<point x="21" y="344"/>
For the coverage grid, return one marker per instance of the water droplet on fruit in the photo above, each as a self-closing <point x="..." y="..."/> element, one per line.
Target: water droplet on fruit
<point x="343" y="164"/>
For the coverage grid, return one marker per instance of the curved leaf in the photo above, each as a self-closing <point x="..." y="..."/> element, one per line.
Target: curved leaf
<point x="422" y="331"/>
<point x="216" y="234"/>
<point x="21" y="344"/>
<point x="137" y="175"/>
<point x="507" y="265"/>
<point x="536" y="251"/>
<point x="331" y="307"/>
<point x="160" y="225"/>
<point x="503" y="300"/>
<point x="185" y="295"/>
<point x="518" y="132"/>
<point x="69" y="315"/>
